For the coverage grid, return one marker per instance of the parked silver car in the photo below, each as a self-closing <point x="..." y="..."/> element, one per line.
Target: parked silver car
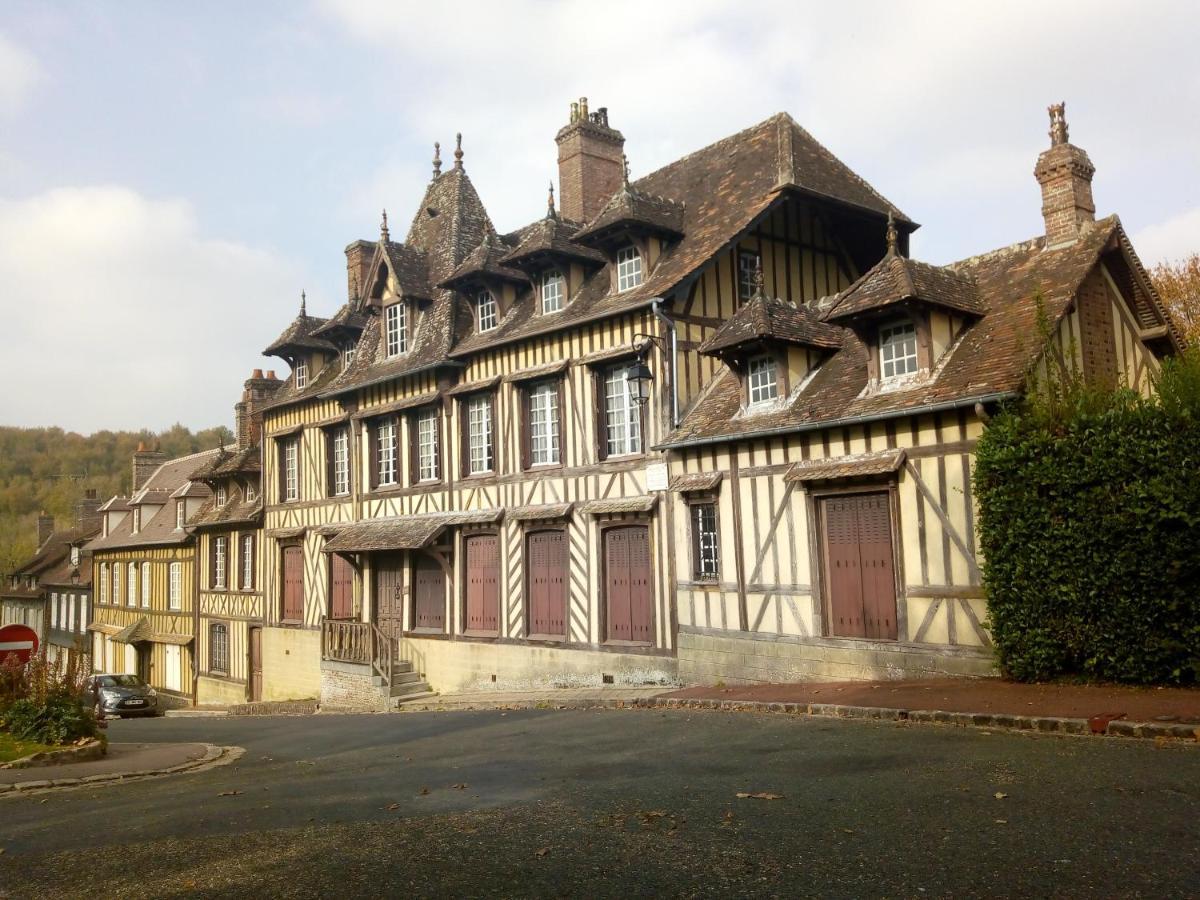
<point x="122" y="695"/>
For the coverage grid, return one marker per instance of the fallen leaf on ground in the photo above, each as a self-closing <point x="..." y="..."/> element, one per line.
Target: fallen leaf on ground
<point x="848" y="830"/>
<point x="228" y="793"/>
<point x="760" y="795"/>
<point x="1000" y="795"/>
<point x="728" y="818"/>
<point x="393" y="806"/>
<point x="540" y="853"/>
<point x="461" y="786"/>
<point x="1002" y="821"/>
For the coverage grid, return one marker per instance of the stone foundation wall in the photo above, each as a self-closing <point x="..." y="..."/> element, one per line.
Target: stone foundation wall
<point x="707" y="656"/>
<point x="350" y="686"/>
<point x="291" y="663"/>
<point x="219" y="691"/>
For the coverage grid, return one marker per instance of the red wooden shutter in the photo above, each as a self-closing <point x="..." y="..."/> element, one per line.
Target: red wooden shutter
<point x="341" y="587"/>
<point x="546" y="562"/>
<point x="600" y="418"/>
<point x="630" y="594"/>
<point x="293" y="584"/>
<point x="483" y="583"/>
<point x="862" y="588"/>
<point x="878" y="578"/>
<point x="526" y="425"/>
<point x="373" y="452"/>
<point x="429" y="590"/>
<point x="389" y="594"/>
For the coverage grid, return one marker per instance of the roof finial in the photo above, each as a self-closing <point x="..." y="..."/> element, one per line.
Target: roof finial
<point x="893" y="237"/>
<point x="624" y="170"/>
<point x="759" y="281"/>
<point x="303" y="303"/>
<point x="1058" y="123"/>
<point x="437" y="159"/>
<point x="383" y="229"/>
<point x="458" y="150"/>
<point x="550" y="211"/>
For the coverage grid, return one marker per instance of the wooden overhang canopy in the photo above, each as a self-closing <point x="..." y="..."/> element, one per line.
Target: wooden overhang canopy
<point x="549" y="243"/>
<point x="540" y="512"/>
<point x="695" y="482"/>
<point x="403" y="533"/>
<point x="641" y="504"/>
<point x="857" y="465"/>
<point x="484" y="266"/>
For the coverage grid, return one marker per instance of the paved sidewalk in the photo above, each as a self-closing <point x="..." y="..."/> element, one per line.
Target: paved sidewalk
<point x="977" y="695"/>
<point x="549" y="698"/>
<point x="121" y="759"/>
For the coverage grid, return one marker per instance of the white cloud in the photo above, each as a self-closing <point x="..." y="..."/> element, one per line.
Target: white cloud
<point x="19" y="73"/>
<point x="123" y="315"/>
<point x="1173" y="239"/>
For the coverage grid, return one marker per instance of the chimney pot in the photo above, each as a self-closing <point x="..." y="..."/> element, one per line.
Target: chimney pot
<point x="271" y="374"/>
<point x="1065" y="174"/>
<point x="257" y="373"/>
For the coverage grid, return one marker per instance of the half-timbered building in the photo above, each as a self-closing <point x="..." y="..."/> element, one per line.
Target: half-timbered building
<point x="821" y="485"/>
<point x="144" y="569"/>
<point x="465" y="471"/>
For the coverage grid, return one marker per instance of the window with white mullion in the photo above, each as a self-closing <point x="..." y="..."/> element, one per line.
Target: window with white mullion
<point x="131" y="584"/>
<point x="554" y="290"/>
<point x="385" y="439"/>
<point x="480" y="454"/>
<point x="762" y="378"/>
<point x="145" y="584"/>
<point x="748" y="266"/>
<point x="396" y="329"/>
<point x="427" y="445"/>
<point x="898" y="349"/>
<point x="543" y="424"/>
<point x="175" y="586"/>
<point x="486" y="311"/>
<point x="341" y="461"/>
<point x="704" y="524"/>
<point x="622" y="415"/>
<point x="220" y="551"/>
<point x="248" y="562"/>
<point x="291" y="470"/>
<point x="301" y="373"/>
<point x="629" y="268"/>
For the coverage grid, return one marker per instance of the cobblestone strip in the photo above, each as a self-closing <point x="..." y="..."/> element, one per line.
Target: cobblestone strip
<point x="213" y="756"/>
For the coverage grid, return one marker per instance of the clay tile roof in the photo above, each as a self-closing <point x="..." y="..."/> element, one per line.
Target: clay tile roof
<point x="236" y="510"/>
<point x="773" y="319"/>
<point x="346" y="321"/>
<point x="246" y="460"/>
<point x="695" y="481"/>
<point x="408" y="533"/>
<point x="896" y="278"/>
<point x="547" y="240"/>
<point x="485" y="261"/>
<point x="634" y="208"/>
<point x="411" y="270"/>
<point x="539" y="512"/>
<point x="138" y="630"/>
<point x="855" y="465"/>
<point x="299" y="336"/>
<point x="621" y="505"/>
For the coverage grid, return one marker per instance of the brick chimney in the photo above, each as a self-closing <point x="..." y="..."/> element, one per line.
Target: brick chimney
<point x="87" y="511"/>
<point x="257" y="390"/>
<point x="1065" y="174"/>
<point x="590" y="163"/>
<point x="145" y="461"/>
<point x="358" y="263"/>
<point x="45" y="528"/>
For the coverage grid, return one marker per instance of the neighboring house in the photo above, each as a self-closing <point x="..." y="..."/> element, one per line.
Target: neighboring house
<point x="821" y="485"/>
<point x="464" y="469"/>
<point x="228" y="528"/>
<point x="51" y="593"/>
<point x="144" y="571"/>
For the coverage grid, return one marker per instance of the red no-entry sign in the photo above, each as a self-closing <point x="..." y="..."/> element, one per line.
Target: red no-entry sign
<point x="19" y="639"/>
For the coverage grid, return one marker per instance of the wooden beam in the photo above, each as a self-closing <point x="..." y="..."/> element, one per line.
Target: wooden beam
<point x="947" y="525"/>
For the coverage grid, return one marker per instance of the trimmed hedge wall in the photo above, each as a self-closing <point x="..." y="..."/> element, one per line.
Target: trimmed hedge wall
<point x="1089" y="509"/>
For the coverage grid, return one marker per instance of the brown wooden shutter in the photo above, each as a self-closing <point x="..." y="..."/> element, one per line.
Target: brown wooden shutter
<point x="601" y="419"/>
<point x="212" y="560"/>
<point x="546" y="582"/>
<point x="628" y="586"/>
<point x="414" y="461"/>
<point x="281" y="463"/>
<point x="293" y="584"/>
<point x="330" y="482"/>
<point x="526" y="426"/>
<point x="562" y="434"/>
<point x="483" y="580"/>
<point x="253" y="568"/>
<point x="464" y="462"/>
<point x="341" y="587"/>
<point x="495" y="439"/>
<point x="373" y="451"/>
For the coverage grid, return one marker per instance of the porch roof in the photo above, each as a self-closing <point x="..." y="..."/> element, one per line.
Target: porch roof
<point x="403" y="533"/>
<point x="856" y="465"/>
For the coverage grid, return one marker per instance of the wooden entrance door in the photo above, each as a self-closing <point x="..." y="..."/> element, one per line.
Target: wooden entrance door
<point x="293" y="584"/>
<point x="173" y="655"/>
<point x="255" y="664"/>
<point x="483" y="583"/>
<point x="546" y="582"/>
<point x="389" y="594"/>
<point x="429" y="593"/>
<point x="629" y="594"/>
<point x="859" y="569"/>
<point x="341" y="587"/>
<point x="143" y="654"/>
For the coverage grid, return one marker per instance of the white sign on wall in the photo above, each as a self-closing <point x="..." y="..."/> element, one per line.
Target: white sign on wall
<point x="656" y="477"/>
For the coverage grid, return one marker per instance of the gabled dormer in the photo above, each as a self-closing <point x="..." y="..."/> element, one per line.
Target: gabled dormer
<point x="774" y="346"/>
<point x="488" y="285"/>
<point x="634" y="231"/>
<point x="553" y="262"/>
<point x="908" y="314"/>
<point x="302" y="348"/>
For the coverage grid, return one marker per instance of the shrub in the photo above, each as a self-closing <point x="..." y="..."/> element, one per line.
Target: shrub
<point x="1089" y="507"/>
<point x="58" y="720"/>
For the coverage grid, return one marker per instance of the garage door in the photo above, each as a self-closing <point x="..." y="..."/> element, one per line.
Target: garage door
<point x="628" y="592"/>
<point x="860" y="575"/>
<point x="483" y="583"/>
<point x="546" y="583"/>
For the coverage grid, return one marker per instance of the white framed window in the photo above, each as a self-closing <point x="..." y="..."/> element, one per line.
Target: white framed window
<point x="748" y="264"/>
<point x="762" y="379"/>
<point x="291" y="470"/>
<point x="348" y="355"/>
<point x="480" y="455"/>
<point x="180" y="516"/>
<point x="554" y="291"/>
<point x="83" y="614"/>
<point x="427" y="445"/>
<point x="220" y="551"/>
<point x="301" y="374"/>
<point x="251" y="492"/>
<point x="54" y="610"/>
<point x="629" y="268"/>
<point x="175" y="585"/>
<point x="622" y="414"/>
<point x="218" y="648"/>
<point x="395" y="319"/>
<point x="340" y="447"/>
<point x="116" y="584"/>
<point x="247" y="562"/>
<point x="137" y="519"/>
<point x="145" y="584"/>
<point x="104" y="583"/>
<point x="543" y="424"/>
<point x="486" y="313"/>
<point x="222" y="495"/>
<point x="898" y="349"/>
<point x="385" y="440"/>
<point x="131" y="584"/>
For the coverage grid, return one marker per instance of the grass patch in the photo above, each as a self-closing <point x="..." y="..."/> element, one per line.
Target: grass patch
<point x="11" y="748"/>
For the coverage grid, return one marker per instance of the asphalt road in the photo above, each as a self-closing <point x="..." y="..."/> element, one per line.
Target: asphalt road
<point x="626" y="803"/>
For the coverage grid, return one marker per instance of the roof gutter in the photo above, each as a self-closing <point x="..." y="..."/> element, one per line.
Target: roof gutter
<point x="839" y="423"/>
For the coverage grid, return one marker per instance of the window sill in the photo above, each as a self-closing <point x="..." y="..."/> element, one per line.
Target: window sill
<point x="554" y="638"/>
<point x="477" y="633"/>
<point x="543" y="467"/>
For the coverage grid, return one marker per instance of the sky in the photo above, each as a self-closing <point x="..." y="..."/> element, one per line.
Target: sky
<point x="173" y="175"/>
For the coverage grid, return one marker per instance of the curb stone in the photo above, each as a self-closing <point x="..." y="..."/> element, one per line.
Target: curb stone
<point x="213" y="756"/>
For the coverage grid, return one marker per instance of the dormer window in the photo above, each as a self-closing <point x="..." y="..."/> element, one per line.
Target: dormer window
<point x="485" y="311"/>
<point x="748" y="265"/>
<point x="180" y="516"/>
<point x="222" y="496"/>
<point x="395" y="319"/>
<point x="898" y="349"/>
<point x="348" y="355"/>
<point x="554" y="291"/>
<point x="762" y="379"/>
<point x="301" y="374"/>
<point x="137" y="519"/>
<point x="629" y="268"/>
<point x="251" y="492"/>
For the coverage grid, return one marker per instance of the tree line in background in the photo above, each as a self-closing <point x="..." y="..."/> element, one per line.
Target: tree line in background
<point x="49" y="469"/>
<point x="1178" y="284"/>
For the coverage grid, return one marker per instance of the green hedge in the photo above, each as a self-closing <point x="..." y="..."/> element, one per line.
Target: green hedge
<point x="1089" y="508"/>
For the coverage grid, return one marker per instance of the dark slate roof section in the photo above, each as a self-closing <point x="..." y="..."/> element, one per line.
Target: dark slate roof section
<point x="895" y="279"/>
<point x="288" y="393"/>
<point x="547" y="241"/>
<point x="485" y="262"/>
<point x="990" y="360"/>
<point x="237" y="510"/>
<point x="160" y="528"/>
<point x="411" y="270"/>
<point x="299" y="336"/>
<point x="633" y="208"/>
<point x="764" y="318"/>
<point x="52" y="563"/>
<point x="229" y="463"/>
<point x="345" y="323"/>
